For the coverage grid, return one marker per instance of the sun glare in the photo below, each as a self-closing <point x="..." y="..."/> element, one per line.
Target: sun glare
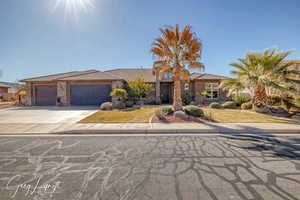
<point x="73" y="7"/>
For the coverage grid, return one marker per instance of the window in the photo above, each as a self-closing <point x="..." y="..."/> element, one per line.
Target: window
<point x="212" y="90"/>
<point x="168" y="76"/>
<point x="186" y="86"/>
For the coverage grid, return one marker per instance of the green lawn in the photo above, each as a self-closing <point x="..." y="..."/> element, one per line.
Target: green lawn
<point x="240" y="116"/>
<point x="141" y="115"/>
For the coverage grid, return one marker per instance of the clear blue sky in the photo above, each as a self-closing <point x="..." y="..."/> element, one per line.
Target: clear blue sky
<point x="37" y="40"/>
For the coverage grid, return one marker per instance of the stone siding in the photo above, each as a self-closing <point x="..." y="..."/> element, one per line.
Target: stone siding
<point x="62" y="93"/>
<point x="199" y="86"/>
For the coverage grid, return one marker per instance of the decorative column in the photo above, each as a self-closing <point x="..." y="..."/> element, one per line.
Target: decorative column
<point x="29" y="93"/>
<point x="62" y="93"/>
<point x="157" y="86"/>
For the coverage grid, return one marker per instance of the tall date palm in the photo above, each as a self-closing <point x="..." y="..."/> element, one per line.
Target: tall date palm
<point x="176" y="51"/>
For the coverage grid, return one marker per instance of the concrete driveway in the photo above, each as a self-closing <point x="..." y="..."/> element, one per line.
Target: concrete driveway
<point x="49" y="114"/>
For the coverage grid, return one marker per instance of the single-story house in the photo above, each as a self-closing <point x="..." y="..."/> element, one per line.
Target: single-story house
<point x="93" y="87"/>
<point x="3" y="90"/>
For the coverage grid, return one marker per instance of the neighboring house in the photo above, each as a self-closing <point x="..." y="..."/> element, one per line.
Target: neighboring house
<point x="10" y="94"/>
<point x="93" y="87"/>
<point x="3" y="90"/>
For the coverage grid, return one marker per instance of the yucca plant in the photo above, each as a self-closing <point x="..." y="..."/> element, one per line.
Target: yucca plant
<point x="259" y="72"/>
<point x="176" y="51"/>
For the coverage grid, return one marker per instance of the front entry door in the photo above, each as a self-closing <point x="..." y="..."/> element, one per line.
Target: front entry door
<point x="166" y="95"/>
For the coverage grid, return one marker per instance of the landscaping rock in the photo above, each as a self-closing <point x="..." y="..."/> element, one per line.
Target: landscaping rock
<point x="129" y="103"/>
<point x="181" y="115"/>
<point x="106" y="106"/>
<point x="262" y="109"/>
<point x="279" y="110"/>
<point x="119" y="105"/>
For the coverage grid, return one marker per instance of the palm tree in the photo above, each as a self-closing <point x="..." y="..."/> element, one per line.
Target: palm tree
<point x="260" y="72"/>
<point x="175" y="51"/>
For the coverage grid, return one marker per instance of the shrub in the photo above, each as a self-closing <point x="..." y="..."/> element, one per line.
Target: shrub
<point x="229" y="104"/>
<point x="274" y="100"/>
<point x="119" y="105"/>
<point x="247" y="105"/>
<point x="152" y="101"/>
<point x="297" y="101"/>
<point x="129" y="103"/>
<point x="162" y="112"/>
<point x="215" y="105"/>
<point x="239" y="99"/>
<point x="194" y="111"/>
<point x="167" y="109"/>
<point x="186" y="98"/>
<point x="106" y="106"/>
<point x="119" y="93"/>
<point x="139" y="88"/>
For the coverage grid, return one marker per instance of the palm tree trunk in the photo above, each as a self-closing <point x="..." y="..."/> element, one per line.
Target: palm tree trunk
<point x="177" y="104"/>
<point x="260" y="98"/>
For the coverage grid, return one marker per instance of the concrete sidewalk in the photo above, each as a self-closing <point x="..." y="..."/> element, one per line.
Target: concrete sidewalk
<point x="147" y="128"/>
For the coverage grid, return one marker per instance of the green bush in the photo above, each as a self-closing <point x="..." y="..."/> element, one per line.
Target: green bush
<point x="229" y="104"/>
<point x="194" y="111"/>
<point x="162" y="112"/>
<point x="138" y="88"/>
<point x="247" y="105"/>
<point x="167" y="109"/>
<point x="106" y="106"/>
<point x="215" y="105"/>
<point x="274" y="100"/>
<point x="119" y="93"/>
<point x="186" y="98"/>
<point x="297" y="101"/>
<point x="239" y="99"/>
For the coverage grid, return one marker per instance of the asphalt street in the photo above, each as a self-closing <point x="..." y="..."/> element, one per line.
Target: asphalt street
<point x="149" y="167"/>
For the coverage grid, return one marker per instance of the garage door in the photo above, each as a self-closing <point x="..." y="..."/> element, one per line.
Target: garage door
<point x="82" y="95"/>
<point x="45" y="95"/>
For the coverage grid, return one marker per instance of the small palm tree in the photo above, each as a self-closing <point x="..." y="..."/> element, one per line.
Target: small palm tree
<point x="175" y="51"/>
<point x="259" y="72"/>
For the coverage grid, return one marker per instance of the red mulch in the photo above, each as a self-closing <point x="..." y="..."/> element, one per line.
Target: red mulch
<point x="2" y="106"/>
<point x="172" y="119"/>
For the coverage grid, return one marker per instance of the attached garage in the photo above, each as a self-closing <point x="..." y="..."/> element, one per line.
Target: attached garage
<point x="45" y="95"/>
<point x="86" y="88"/>
<point x="83" y="95"/>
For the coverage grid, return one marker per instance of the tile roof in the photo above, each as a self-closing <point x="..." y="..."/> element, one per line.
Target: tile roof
<point x="130" y="74"/>
<point x="126" y="74"/>
<point x="4" y="85"/>
<point x="295" y="61"/>
<point x="55" y="77"/>
<point x="92" y="76"/>
<point x="205" y="76"/>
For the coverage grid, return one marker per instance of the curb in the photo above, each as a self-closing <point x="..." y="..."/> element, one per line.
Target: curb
<point x="162" y="131"/>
